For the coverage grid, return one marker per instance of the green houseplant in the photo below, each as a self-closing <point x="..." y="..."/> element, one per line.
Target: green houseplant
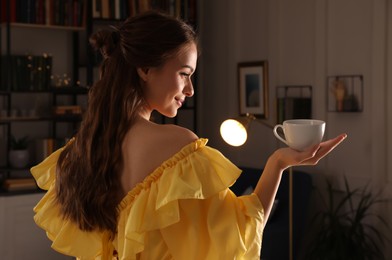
<point x="19" y="155"/>
<point x="342" y="227"/>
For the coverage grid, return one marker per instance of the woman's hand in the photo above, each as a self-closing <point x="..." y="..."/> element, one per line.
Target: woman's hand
<point x="287" y="157"/>
<point x="284" y="158"/>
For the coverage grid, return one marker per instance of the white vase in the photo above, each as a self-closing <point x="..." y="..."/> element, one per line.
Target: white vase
<point x="19" y="158"/>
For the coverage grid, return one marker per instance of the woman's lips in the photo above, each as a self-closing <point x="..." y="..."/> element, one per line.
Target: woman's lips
<point x="180" y="102"/>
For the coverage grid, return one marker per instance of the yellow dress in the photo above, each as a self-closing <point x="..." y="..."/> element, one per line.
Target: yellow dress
<point x="182" y="210"/>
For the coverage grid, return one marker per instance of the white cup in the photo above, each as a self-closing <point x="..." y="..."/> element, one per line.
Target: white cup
<point x="301" y="134"/>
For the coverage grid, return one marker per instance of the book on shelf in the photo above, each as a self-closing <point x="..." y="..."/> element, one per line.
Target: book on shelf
<point x="45" y="12"/>
<point x="67" y="110"/>
<point x="122" y="9"/>
<point x="12" y="11"/>
<point x="26" y="72"/>
<point x="20" y="184"/>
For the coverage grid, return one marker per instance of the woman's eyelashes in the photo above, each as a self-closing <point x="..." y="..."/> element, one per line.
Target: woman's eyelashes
<point x="185" y="74"/>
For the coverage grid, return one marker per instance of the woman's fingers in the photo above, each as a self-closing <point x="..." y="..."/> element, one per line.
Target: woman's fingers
<point x="324" y="149"/>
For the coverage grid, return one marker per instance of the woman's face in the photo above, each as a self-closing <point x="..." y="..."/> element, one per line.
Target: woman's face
<point x="166" y="87"/>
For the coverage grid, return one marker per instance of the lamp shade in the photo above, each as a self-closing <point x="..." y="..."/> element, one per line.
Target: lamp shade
<point x="234" y="132"/>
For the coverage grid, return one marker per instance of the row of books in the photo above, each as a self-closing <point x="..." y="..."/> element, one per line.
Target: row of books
<point x="26" y="72"/>
<point x="121" y="9"/>
<point x="47" y="12"/>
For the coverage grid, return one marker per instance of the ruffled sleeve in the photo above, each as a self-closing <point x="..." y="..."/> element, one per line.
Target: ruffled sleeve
<point x="67" y="238"/>
<point x="186" y="210"/>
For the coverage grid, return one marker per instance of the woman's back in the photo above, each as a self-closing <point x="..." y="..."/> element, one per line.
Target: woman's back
<point x="146" y="146"/>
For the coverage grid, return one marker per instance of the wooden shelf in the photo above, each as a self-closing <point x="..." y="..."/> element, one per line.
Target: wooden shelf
<point x="54" y="90"/>
<point x="57" y="118"/>
<point x="45" y="26"/>
<point x="69" y="90"/>
<point x="23" y="119"/>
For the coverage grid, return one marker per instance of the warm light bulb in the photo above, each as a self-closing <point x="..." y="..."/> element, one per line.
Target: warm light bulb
<point x="233" y="132"/>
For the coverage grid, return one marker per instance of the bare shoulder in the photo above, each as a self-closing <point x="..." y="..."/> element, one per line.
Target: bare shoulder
<point x="159" y="138"/>
<point x="176" y="136"/>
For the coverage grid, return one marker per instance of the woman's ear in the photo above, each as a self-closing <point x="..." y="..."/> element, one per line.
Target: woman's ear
<point x="142" y="72"/>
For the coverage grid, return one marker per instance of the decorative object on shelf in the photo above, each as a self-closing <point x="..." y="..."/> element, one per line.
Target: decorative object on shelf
<point x="61" y="81"/>
<point x="293" y="102"/>
<point x="19" y="156"/>
<point x="345" y="93"/>
<point x="253" y="88"/>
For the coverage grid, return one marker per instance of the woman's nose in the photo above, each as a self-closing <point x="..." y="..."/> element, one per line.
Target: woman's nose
<point x="188" y="89"/>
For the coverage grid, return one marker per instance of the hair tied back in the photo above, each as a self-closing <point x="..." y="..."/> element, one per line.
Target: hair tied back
<point x="115" y="35"/>
<point x="105" y="41"/>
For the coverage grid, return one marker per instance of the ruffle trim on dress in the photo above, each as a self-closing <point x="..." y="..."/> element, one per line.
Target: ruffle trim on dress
<point x="194" y="167"/>
<point x="67" y="238"/>
<point x="195" y="172"/>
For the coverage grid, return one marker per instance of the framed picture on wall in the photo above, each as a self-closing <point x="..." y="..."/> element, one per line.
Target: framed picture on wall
<point x="253" y="88"/>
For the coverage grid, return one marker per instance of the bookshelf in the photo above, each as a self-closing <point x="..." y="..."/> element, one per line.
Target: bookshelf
<point x="39" y="80"/>
<point x="58" y="113"/>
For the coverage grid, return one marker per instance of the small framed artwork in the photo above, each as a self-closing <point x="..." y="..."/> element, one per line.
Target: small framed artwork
<point x="345" y="93"/>
<point x="253" y="88"/>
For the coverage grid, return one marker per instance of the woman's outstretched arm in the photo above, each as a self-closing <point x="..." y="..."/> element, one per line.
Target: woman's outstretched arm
<point x="284" y="158"/>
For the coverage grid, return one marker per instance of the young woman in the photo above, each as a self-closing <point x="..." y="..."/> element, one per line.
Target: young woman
<point x="127" y="188"/>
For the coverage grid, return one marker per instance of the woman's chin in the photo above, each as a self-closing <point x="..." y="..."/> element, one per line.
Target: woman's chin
<point x="170" y="114"/>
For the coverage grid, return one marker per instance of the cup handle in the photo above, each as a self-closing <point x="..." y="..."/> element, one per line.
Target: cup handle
<point x="277" y="135"/>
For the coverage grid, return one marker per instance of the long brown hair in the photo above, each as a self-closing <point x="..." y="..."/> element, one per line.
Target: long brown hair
<point x="88" y="186"/>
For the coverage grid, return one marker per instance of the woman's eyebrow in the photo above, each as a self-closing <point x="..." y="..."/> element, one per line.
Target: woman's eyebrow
<point x="189" y="67"/>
